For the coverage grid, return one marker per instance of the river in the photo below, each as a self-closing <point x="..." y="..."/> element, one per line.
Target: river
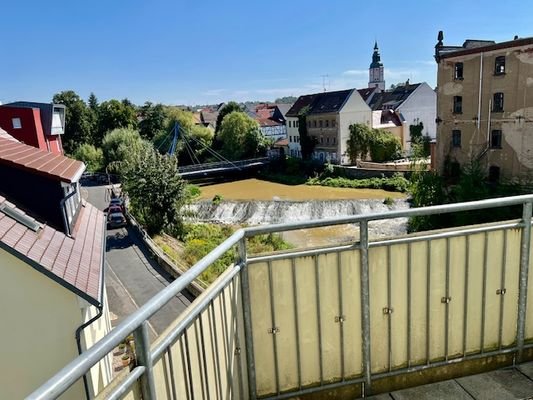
<point x="255" y="202"/>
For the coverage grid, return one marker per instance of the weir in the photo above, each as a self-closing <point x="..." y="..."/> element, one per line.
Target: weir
<point x="337" y="321"/>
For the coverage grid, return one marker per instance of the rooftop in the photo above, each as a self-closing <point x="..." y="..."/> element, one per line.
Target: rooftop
<point x="392" y="98"/>
<point x="74" y="262"/>
<point x="473" y="46"/>
<point x="54" y="166"/>
<point x="319" y="103"/>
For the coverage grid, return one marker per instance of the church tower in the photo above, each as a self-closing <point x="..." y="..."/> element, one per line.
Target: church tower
<point x="375" y="72"/>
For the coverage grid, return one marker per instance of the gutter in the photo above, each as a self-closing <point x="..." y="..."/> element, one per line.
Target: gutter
<point x="99" y="307"/>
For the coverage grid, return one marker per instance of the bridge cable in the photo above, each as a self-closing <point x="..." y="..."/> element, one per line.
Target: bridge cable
<point x="213" y="152"/>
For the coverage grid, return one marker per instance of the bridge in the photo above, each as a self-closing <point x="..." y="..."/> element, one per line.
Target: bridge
<point x="341" y="321"/>
<point x="196" y="171"/>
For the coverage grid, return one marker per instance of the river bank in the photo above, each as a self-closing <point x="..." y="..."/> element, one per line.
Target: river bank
<point x="257" y="202"/>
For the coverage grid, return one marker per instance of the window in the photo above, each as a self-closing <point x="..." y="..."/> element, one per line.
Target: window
<point x="457" y="104"/>
<point x="320" y="123"/>
<point x="327" y="123"/>
<point x="16" y="123"/>
<point x="458" y="71"/>
<point x="327" y="140"/>
<point x="334" y="140"/>
<point x="497" y="105"/>
<point x="321" y="140"/>
<point x="289" y="124"/>
<point x="499" y="65"/>
<point x="314" y="123"/>
<point x="456" y="138"/>
<point x="333" y="123"/>
<point x="296" y="124"/>
<point x="494" y="174"/>
<point x="496" y="139"/>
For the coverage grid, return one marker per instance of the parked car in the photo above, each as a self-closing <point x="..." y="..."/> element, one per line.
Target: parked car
<point x="114" y="209"/>
<point x="118" y="202"/>
<point x="116" y="220"/>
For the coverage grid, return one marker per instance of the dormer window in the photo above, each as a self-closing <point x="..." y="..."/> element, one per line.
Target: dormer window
<point x="17" y="124"/>
<point x="499" y="65"/>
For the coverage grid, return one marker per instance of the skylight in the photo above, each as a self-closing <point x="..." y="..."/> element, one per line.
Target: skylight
<point x="20" y="217"/>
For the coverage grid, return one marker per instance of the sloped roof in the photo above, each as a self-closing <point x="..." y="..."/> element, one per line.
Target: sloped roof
<point x="301" y="102"/>
<point x="319" y="103"/>
<point x="329" y="102"/>
<point x="392" y="98"/>
<point x="367" y="92"/>
<point x="5" y="135"/>
<point x="284" y="108"/>
<point x="75" y="262"/>
<point x="55" y="166"/>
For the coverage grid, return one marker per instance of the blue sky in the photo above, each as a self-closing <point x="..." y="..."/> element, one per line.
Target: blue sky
<point x="203" y="52"/>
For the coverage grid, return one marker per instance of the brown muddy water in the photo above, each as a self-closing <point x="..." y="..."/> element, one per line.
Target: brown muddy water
<point x="255" y="202"/>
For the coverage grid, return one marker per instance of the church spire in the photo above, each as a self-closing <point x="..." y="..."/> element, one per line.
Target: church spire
<point x="375" y="72"/>
<point x="376" y="57"/>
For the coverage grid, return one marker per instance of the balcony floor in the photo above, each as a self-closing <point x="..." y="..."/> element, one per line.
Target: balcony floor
<point x="504" y="384"/>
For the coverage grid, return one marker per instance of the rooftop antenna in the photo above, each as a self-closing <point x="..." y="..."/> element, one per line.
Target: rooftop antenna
<point x="324" y="81"/>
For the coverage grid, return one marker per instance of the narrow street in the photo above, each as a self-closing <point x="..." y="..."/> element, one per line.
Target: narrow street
<point x="132" y="277"/>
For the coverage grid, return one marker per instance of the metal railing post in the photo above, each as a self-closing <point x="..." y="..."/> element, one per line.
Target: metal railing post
<point x="525" y="244"/>
<point x="246" y="312"/>
<point x="365" y="306"/>
<point x="144" y="358"/>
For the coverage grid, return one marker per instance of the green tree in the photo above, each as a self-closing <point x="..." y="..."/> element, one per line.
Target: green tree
<point x="419" y="142"/>
<point x="359" y="142"/>
<point x="307" y="142"/>
<point x="241" y="136"/>
<point x="384" y="146"/>
<point x="286" y="100"/>
<point x="114" y="114"/>
<point x="120" y="144"/>
<point x="92" y="157"/>
<point x="153" y="120"/>
<point x="227" y="109"/>
<point x="198" y="138"/>
<point x="155" y="189"/>
<point x="77" y="120"/>
<point x="92" y="102"/>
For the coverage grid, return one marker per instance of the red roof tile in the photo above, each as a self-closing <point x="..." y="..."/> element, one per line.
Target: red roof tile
<point x="77" y="262"/>
<point x="30" y="158"/>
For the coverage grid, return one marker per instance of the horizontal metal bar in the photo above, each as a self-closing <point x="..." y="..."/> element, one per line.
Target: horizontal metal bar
<point x="356" y="246"/>
<point x="314" y="389"/>
<point x="128" y="382"/>
<point x="443" y="235"/>
<point x="440" y="209"/>
<point x="74" y="370"/>
<point x="302" y="253"/>
<point x="443" y="363"/>
<point x="188" y="316"/>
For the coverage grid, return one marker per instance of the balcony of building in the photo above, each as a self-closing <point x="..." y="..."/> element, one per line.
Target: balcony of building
<point x="343" y="321"/>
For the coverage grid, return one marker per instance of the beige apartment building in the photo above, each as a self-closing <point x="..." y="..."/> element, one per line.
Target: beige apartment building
<point x="485" y="107"/>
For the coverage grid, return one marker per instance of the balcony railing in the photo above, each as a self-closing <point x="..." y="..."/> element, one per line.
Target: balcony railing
<point x="302" y="321"/>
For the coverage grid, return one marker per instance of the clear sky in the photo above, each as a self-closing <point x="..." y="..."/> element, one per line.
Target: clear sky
<point x="204" y="52"/>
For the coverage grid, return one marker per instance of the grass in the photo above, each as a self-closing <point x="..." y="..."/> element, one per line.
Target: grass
<point x="201" y="239"/>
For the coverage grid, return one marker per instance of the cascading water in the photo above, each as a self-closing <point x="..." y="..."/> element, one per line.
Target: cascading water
<point x="278" y="211"/>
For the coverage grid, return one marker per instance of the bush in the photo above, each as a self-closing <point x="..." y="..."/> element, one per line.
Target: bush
<point x="384" y="146"/>
<point x="201" y="239"/>
<point x="397" y="183"/>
